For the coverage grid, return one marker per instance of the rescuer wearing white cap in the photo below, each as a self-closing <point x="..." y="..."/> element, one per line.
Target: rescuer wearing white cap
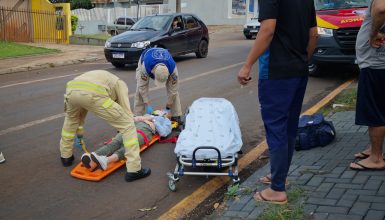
<point x="157" y="64"/>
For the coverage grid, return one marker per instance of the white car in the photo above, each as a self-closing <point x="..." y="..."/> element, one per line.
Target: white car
<point x="251" y="28"/>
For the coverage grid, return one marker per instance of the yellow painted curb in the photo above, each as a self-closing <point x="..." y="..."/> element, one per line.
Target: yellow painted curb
<point x="190" y="202"/>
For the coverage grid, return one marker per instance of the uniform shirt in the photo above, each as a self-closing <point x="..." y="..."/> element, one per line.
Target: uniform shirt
<point x="116" y="89"/>
<point x="153" y="56"/>
<point x="142" y="75"/>
<point x="367" y="56"/>
<point x="286" y="56"/>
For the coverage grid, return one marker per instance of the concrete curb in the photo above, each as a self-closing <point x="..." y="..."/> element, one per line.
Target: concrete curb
<point x="47" y="65"/>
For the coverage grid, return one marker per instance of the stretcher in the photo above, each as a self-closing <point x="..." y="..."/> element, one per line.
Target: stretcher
<point x="210" y="141"/>
<point x="81" y="172"/>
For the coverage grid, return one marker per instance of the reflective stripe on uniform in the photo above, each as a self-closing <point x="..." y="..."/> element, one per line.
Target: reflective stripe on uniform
<point x="131" y="142"/>
<point x="87" y="86"/>
<point x="108" y="103"/>
<point x="68" y="135"/>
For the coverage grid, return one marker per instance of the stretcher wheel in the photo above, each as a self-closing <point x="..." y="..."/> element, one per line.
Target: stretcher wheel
<point x="172" y="185"/>
<point x="236" y="181"/>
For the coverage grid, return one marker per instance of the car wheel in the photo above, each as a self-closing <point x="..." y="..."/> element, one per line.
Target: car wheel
<point x="118" y="65"/>
<point x="113" y="33"/>
<point x="314" y="69"/>
<point x="248" y="36"/>
<point x="202" y="49"/>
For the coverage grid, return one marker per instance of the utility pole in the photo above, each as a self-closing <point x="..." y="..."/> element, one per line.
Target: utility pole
<point x="178" y="7"/>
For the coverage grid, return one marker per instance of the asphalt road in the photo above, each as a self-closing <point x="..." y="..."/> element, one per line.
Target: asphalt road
<point x="34" y="184"/>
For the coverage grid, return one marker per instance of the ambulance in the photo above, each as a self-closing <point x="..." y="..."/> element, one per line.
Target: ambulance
<point x="338" y="23"/>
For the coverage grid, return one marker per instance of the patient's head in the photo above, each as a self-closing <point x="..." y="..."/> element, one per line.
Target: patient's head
<point x="162" y="126"/>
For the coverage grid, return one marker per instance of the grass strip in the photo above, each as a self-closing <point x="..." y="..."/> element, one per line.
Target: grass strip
<point x="11" y="50"/>
<point x="292" y="210"/>
<point x="345" y="101"/>
<point x="94" y="36"/>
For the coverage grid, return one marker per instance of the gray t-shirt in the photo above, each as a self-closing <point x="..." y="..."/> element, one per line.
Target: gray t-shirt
<point x="368" y="56"/>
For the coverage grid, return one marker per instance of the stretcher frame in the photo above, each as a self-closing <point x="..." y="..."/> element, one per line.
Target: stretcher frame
<point x="82" y="172"/>
<point x="219" y="163"/>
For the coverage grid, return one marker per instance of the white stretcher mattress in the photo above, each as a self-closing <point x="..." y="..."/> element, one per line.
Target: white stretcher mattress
<point x="210" y="122"/>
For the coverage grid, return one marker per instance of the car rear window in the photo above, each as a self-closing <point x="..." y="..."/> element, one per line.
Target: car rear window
<point x="191" y="22"/>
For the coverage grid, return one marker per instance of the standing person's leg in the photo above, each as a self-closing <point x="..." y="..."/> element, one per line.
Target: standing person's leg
<point x="294" y="113"/>
<point x="375" y="160"/>
<point x="370" y="111"/>
<point x="142" y="87"/>
<point x="70" y="125"/>
<point x="275" y="97"/>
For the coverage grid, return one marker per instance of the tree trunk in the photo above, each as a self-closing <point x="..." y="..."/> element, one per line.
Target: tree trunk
<point x="178" y="7"/>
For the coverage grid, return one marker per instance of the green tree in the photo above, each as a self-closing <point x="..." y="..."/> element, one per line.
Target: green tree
<point x="75" y="4"/>
<point x="86" y="4"/>
<point x="74" y="22"/>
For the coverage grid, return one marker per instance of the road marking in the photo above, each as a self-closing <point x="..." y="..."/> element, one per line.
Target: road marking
<point x="38" y="80"/>
<point x="30" y="124"/>
<point x="53" y="117"/>
<point x="190" y="202"/>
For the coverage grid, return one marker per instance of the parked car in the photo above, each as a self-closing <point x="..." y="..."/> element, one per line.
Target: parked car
<point x="190" y="36"/>
<point x="251" y="28"/>
<point x="119" y="26"/>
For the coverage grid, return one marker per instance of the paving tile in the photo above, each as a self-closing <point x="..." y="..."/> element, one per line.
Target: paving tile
<point x="249" y="207"/>
<point x="376" y="199"/>
<point x="236" y="214"/>
<point x="320" y="216"/>
<point x="309" y="209"/>
<point x="348" y="186"/>
<point x="373" y="184"/>
<point x="375" y="215"/>
<point x="344" y="217"/>
<point x="335" y="193"/>
<point x="321" y="201"/>
<point x="315" y="181"/>
<point x="348" y="174"/>
<point x="360" y="208"/>
<point x="337" y="180"/>
<point x="378" y="206"/>
<point x="332" y="209"/>
<point x="359" y="179"/>
<point x="256" y="212"/>
<point x="347" y="200"/>
<point x="362" y="192"/>
<point x="325" y="187"/>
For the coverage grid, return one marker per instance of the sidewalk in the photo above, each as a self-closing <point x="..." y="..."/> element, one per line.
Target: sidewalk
<point x="70" y="54"/>
<point x="332" y="190"/>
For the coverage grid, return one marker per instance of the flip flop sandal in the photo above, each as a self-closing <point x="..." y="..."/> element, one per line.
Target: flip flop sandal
<point x="362" y="155"/>
<point x="365" y="168"/>
<point x="365" y="155"/>
<point x="267" y="180"/>
<point x="259" y="198"/>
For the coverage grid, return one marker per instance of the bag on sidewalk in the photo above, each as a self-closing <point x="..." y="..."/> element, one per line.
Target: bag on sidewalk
<point x="314" y="131"/>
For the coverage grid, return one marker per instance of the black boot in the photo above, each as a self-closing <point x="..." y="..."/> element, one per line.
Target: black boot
<point x="67" y="161"/>
<point x="131" y="176"/>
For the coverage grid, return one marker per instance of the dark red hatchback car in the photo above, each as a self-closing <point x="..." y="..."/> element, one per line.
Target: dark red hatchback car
<point x="180" y="33"/>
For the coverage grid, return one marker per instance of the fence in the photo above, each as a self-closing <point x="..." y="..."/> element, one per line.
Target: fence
<point x="108" y="15"/>
<point x="32" y="26"/>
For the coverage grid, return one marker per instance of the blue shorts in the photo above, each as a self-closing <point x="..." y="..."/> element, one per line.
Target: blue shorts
<point x="370" y="108"/>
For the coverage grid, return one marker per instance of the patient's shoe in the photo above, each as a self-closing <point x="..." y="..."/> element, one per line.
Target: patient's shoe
<point x="86" y="160"/>
<point x="101" y="161"/>
<point x="67" y="161"/>
<point x="2" y="159"/>
<point x="131" y="176"/>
